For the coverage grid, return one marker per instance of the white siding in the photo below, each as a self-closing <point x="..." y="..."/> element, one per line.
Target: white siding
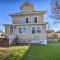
<point x="30" y="36"/>
<point x="7" y="31"/>
<point x="22" y="19"/>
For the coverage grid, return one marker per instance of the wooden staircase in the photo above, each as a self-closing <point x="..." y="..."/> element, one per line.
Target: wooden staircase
<point x="14" y="42"/>
<point x="4" y="42"/>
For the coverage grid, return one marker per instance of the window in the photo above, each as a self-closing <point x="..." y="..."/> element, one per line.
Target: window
<point x="24" y="29"/>
<point x="33" y="30"/>
<point x="35" y="19"/>
<point x="26" y="20"/>
<point x="20" y="30"/>
<point x="38" y="30"/>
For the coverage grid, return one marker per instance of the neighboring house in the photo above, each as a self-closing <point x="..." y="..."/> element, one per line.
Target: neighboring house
<point x="51" y="35"/>
<point x="1" y="33"/>
<point x="28" y="26"/>
<point x="58" y="33"/>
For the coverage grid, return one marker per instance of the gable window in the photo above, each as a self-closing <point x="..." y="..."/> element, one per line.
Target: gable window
<point x="33" y="30"/>
<point x="35" y="19"/>
<point x="38" y="30"/>
<point x="26" y="20"/>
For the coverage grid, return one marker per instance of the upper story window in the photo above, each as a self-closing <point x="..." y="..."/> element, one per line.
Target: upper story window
<point x="35" y="19"/>
<point x="27" y="20"/>
<point x="20" y="30"/>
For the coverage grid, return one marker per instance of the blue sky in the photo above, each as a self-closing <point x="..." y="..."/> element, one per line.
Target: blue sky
<point x="12" y="6"/>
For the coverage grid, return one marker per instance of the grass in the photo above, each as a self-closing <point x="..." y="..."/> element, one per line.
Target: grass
<point x="50" y="52"/>
<point x="13" y="53"/>
<point x="33" y="52"/>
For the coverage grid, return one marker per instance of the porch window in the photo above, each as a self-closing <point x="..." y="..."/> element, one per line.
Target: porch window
<point x="24" y="29"/>
<point x="38" y="30"/>
<point x="20" y="30"/>
<point x="33" y="30"/>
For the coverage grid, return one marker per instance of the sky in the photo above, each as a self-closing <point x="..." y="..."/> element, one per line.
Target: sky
<point x="13" y="6"/>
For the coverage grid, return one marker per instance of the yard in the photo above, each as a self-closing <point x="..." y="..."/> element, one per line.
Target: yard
<point x="31" y="52"/>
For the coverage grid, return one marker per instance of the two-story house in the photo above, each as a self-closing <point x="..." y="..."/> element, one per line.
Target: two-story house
<point x="28" y="25"/>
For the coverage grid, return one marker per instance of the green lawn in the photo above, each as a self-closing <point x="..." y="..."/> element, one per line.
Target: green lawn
<point x="33" y="52"/>
<point x="13" y="53"/>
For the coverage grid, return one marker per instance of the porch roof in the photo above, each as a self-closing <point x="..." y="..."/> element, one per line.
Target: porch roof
<point x="42" y="23"/>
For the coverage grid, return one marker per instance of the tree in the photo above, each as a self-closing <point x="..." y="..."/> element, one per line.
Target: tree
<point x="55" y="10"/>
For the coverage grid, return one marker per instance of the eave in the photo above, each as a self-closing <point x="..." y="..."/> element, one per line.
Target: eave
<point x="29" y="13"/>
<point x="28" y="24"/>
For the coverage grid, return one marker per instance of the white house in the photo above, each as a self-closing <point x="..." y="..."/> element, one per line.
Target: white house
<point x="28" y="25"/>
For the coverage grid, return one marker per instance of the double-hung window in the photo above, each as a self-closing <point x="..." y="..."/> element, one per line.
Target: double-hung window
<point x="27" y="20"/>
<point x="35" y="19"/>
<point x="20" y="30"/>
<point x="33" y="30"/>
<point x="38" y="30"/>
<point x="24" y="29"/>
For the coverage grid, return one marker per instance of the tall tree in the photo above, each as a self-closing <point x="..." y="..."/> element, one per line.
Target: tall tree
<point x="55" y="10"/>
